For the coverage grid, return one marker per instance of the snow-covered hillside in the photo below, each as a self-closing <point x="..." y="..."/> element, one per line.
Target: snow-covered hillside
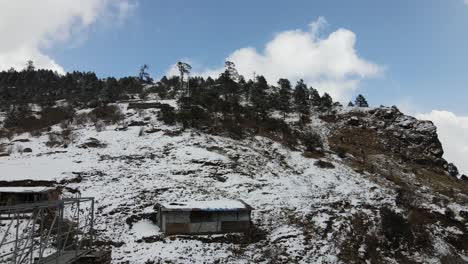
<point x="304" y="212"/>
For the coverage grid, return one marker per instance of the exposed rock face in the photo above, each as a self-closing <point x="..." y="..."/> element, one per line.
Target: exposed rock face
<point x="452" y="170"/>
<point x="415" y="139"/>
<point x="386" y="130"/>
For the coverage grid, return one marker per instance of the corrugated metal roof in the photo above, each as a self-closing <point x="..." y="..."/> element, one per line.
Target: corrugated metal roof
<point x="36" y="189"/>
<point x="214" y="205"/>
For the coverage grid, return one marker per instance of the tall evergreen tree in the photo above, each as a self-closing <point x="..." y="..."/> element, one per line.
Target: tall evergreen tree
<point x="30" y="66"/>
<point x="144" y="75"/>
<point x="230" y="88"/>
<point x="284" y="99"/>
<point x="361" y="101"/>
<point x="184" y="68"/>
<point x="258" y="96"/>
<point x="326" y="102"/>
<point x="315" y="98"/>
<point x="301" y="98"/>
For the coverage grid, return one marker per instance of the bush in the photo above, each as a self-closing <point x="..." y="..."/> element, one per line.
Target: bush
<point x="100" y="126"/>
<point x="21" y="117"/>
<point x="311" y="141"/>
<point x="19" y="149"/>
<point x="65" y="138"/>
<point x="81" y="119"/>
<point x="107" y="113"/>
<point x="396" y="229"/>
<point x="193" y="116"/>
<point x="51" y="116"/>
<point x="54" y="140"/>
<point x="167" y="114"/>
<point x="36" y="133"/>
<point x="18" y="116"/>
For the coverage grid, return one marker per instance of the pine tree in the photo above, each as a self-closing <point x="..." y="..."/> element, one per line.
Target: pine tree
<point x="30" y="66"/>
<point x="144" y="75"/>
<point x="350" y="104"/>
<point x="284" y="95"/>
<point x="314" y="97"/>
<point x="326" y="102"/>
<point x="230" y="90"/>
<point x="301" y="98"/>
<point x="184" y="68"/>
<point x="361" y="101"/>
<point x="231" y="71"/>
<point x="258" y="96"/>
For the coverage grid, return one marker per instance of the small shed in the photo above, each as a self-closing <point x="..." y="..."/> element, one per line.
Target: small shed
<point x="21" y="195"/>
<point x="204" y="217"/>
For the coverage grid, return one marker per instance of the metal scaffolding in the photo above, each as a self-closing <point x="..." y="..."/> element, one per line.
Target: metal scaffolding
<point x="48" y="232"/>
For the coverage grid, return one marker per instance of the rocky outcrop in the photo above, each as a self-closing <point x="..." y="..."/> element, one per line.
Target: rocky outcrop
<point x="416" y="138"/>
<point x="395" y="133"/>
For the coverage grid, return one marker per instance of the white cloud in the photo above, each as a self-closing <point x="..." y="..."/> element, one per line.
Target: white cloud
<point x="28" y="27"/>
<point x="330" y="64"/>
<point x="465" y="2"/>
<point x="453" y="133"/>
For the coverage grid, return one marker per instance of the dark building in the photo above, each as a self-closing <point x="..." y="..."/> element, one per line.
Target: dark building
<point x="21" y="195"/>
<point x="204" y="217"/>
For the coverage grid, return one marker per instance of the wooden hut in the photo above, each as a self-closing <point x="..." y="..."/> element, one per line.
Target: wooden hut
<point x="204" y="217"/>
<point x="21" y="195"/>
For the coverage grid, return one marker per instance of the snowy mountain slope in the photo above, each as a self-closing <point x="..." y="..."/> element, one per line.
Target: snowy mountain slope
<point x="303" y="213"/>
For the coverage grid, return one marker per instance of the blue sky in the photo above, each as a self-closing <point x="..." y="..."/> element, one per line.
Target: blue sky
<point x="410" y="53"/>
<point x="421" y="44"/>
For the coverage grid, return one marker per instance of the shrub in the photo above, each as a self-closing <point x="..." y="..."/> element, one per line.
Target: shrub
<point x="53" y="115"/>
<point x="7" y="133"/>
<point x="81" y="119"/>
<point x="100" y="126"/>
<point x="193" y="116"/>
<point x="167" y="114"/>
<point x="107" y="113"/>
<point x="9" y="150"/>
<point x="36" y="133"/>
<point x="18" y="116"/>
<point x="19" y="149"/>
<point x="64" y="124"/>
<point x="65" y="138"/>
<point x="54" y="140"/>
<point x="396" y="229"/>
<point x="311" y="141"/>
<point x="21" y="117"/>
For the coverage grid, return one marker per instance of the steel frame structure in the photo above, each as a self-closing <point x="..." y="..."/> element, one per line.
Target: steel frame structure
<point x="46" y="232"/>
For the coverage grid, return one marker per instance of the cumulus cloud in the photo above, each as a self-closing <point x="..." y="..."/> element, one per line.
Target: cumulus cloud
<point x="330" y="64"/>
<point x="453" y="133"/>
<point x="28" y="27"/>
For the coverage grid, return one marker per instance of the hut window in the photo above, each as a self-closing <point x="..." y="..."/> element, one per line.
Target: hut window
<point x="201" y="216"/>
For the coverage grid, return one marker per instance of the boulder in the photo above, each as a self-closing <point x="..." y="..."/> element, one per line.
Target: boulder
<point x="452" y="170"/>
<point x="92" y="143"/>
<point x="353" y="121"/>
<point x="324" y="164"/>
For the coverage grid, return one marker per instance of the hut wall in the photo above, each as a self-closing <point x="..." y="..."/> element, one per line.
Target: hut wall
<point x="204" y="222"/>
